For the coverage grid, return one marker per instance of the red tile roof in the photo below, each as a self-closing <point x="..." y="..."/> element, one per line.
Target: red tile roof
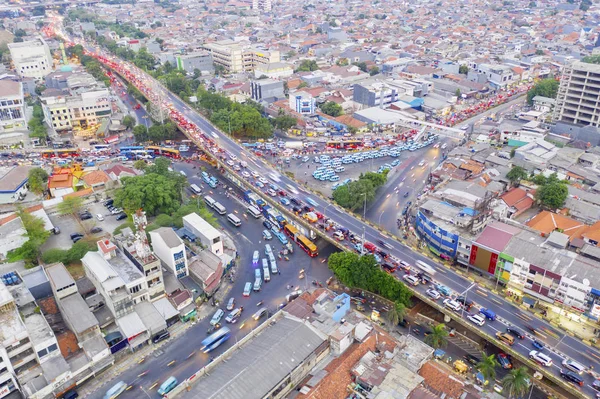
<point x="439" y="379"/>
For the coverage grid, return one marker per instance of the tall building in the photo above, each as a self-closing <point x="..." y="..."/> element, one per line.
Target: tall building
<point x="303" y="103"/>
<point x="201" y="61"/>
<point x="237" y="57"/>
<point x="578" y="97"/>
<point x="31" y="58"/>
<point x="78" y="110"/>
<point x="12" y="106"/>
<point x="267" y="88"/>
<point x="261" y="5"/>
<point x="170" y="249"/>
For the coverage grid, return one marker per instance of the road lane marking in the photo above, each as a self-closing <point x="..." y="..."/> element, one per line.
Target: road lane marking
<point x="153" y="385"/>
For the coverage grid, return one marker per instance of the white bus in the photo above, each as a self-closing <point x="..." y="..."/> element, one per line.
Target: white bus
<point x="234" y="220"/>
<point x="221" y="210"/>
<point x="253" y="211"/>
<point x="209" y="201"/>
<point x="425" y="267"/>
<point x="195" y="189"/>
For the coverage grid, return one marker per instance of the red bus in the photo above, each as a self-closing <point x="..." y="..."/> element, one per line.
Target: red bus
<point x="112" y="139"/>
<point x="167" y="152"/>
<point x="345" y="144"/>
<point x="60" y="153"/>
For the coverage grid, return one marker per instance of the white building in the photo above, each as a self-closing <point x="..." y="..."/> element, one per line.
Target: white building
<point x="170" y="249"/>
<point x="261" y="5"/>
<point x="208" y="235"/>
<point x="303" y="103"/>
<point x="12" y="106"/>
<point x="81" y="110"/>
<point x="239" y="57"/>
<point x="31" y="58"/>
<point x="274" y="70"/>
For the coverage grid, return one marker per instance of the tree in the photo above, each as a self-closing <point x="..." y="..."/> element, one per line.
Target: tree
<point x="71" y="206"/>
<point x="140" y="133"/>
<point x="516" y="174"/>
<point x="140" y="164"/>
<point x="553" y="195"/>
<point x="307" y="66"/>
<point x="353" y="195"/>
<point x="151" y="192"/>
<point x="539" y="52"/>
<point x="332" y="109"/>
<point x="545" y="88"/>
<point x="438" y="337"/>
<point x="592" y="59"/>
<point x="487" y="367"/>
<point x="516" y="383"/>
<point x="220" y="70"/>
<point x="128" y="121"/>
<point x="284" y="122"/>
<point x="392" y="316"/>
<point x="302" y="85"/>
<point x="457" y="93"/>
<point x="37" y="234"/>
<point x="37" y="179"/>
<point x="463" y="69"/>
<point x="374" y="70"/>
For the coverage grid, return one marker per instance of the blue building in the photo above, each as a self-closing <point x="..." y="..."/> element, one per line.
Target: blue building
<point x="303" y="103"/>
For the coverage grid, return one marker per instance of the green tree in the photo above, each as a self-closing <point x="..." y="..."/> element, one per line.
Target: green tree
<point x="516" y="174"/>
<point x="284" y="122"/>
<point x="151" y="192"/>
<point x="592" y="59"/>
<point x="553" y="195"/>
<point x="220" y="70"/>
<point x="128" y="121"/>
<point x="396" y="313"/>
<point x="516" y="383"/>
<point x="37" y="235"/>
<point x="302" y="85"/>
<point x="140" y="164"/>
<point x="37" y="179"/>
<point x="307" y="66"/>
<point x="463" y="69"/>
<point x="457" y="93"/>
<point x="545" y="88"/>
<point x="361" y="65"/>
<point x="160" y="167"/>
<point x="438" y="337"/>
<point x="374" y="70"/>
<point x="487" y="367"/>
<point x="332" y="109"/>
<point x="353" y="195"/>
<point x="71" y="206"/>
<point x="140" y="133"/>
<point x="539" y="52"/>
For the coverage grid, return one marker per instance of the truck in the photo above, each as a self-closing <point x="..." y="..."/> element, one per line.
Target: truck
<point x="253" y="199"/>
<point x="296" y="145"/>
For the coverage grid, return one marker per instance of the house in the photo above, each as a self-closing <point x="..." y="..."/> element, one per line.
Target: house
<point x="96" y="179"/>
<point x="13" y="184"/>
<point x="517" y="200"/>
<point x="207" y="269"/>
<point x="117" y="172"/>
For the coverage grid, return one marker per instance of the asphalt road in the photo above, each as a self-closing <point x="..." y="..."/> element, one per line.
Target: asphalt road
<point x="184" y="349"/>
<point x="565" y="346"/>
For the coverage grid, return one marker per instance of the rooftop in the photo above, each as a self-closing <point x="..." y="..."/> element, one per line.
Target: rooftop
<point x="169" y="236"/>
<point x="497" y="235"/>
<point x="10" y="88"/>
<point x="76" y="312"/>
<point x="59" y="276"/>
<point x="15" y="178"/>
<point x="263" y="362"/>
<point x="202" y="225"/>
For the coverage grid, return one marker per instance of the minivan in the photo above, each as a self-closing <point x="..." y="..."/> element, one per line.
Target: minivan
<point x="506" y="338"/>
<point x="573" y="366"/>
<point x="217" y="317"/>
<point x="161" y="337"/>
<point x="234" y="315"/>
<point x="489" y="314"/>
<point x="260" y="313"/>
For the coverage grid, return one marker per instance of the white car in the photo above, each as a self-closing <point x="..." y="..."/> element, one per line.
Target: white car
<point x="230" y="162"/>
<point x="540" y="358"/>
<point x="476" y="319"/>
<point x="272" y="192"/>
<point x="254" y="174"/>
<point x="410" y="279"/>
<point x="451" y="304"/>
<point x="434" y="294"/>
<point x="245" y="174"/>
<point x="116" y="211"/>
<point x="99" y="217"/>
<point x="255" y="257"/>
<point x="422" y="163"/>
<point x="263" y="180"/>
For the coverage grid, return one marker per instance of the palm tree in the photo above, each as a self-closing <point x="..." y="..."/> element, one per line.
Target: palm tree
<point x="487" y="367"/>
<point x="392" y="316"/>
<point x="401" y="310"/>
<point x="437" y="338"/>
<point x="516" y="382"/>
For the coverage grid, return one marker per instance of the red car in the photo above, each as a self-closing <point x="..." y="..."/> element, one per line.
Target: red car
<point x="319" y="215"/>
<point x="370" y="247"/>
<point x="282" y="193"/>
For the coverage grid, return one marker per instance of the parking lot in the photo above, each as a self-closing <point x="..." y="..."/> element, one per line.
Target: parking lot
<point x="68" y="226"/>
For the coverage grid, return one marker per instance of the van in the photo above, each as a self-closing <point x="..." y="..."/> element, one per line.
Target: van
<point x="274" y="268"/>
<point x="257" y="284"/>
<point x="217" y="317"/>
<point x="195" y="189"/>
<point x="70" y="395"/>
<point x="260" y="313"/>
<point x="266" y="273"/>
<point x="116" y="390"/>
<point x="182" y="173"/>
<point x="247" y="289"/>
<point x="506" y="338"/>
<point x="167" y="386"/>
<point x="209" y="201"/>
<point x="221" y="210"/>
<point x="268" y="249"/>
<point x="489" y="314"/>
<point x="573" y="366"/>
<point x="234" y="220"/>
<point x="252" y="210"/>
<point x="161" y="337"/>
<point x="234" y="315"/>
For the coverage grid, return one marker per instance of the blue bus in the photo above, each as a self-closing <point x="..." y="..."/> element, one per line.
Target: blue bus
<point x="215" y="339"/>
<point x="130" y="148"/>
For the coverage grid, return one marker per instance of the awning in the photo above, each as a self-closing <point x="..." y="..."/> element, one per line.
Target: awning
<point x="529" y="300"/>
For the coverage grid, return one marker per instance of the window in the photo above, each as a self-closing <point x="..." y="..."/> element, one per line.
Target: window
<point x="52" y="348"/>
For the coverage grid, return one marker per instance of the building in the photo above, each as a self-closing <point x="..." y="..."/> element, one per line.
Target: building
<point x="31" y="58"/>
<point x="303" y="103"/>
<point x="261" y="5"/>
<point x="81" y="111"/>
<point x="266" y="89"/>
<point x="274" y="373"/>
<point x="202" y="230"/>
<point x="238" y="57"/>
<point x="273" y="70"/>
<point x="12" y="106"/>
<point x="497" y="75"/>
<point x="201" y="61"/>
<point x="207" y="269"/>
<point x="13" y="183"/>
<point x="377" y="92"/>
<point x="576" y="100"/>
<point x="170" y="250"/>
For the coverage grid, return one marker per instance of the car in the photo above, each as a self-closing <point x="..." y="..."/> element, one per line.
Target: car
<point x="571" y="377"/>
<point x="596" y="385"/>
<point x="517" y="333"/>
<point x="451" y="304"/>
<point x="267" y="224"/>
<point x="85" y="216"/>
<point x="370" y="247"/>
<point x="255" y="257"/>
<point x="231" y="303"/>
<point x="263" y="180"/>
<point x="410" y="279"/>
<point x="405" y="266"/>
<point x="467" y="303"/>
<point x="307" y="208"/>
<point x="537" y="344"/>
<point x="99" y="217"/>
<point x="296" y="210"/>
<point x="267" y="235"/>
<point x="259" y="184"/>
<point x="96" y="230"/>
<point x="476" y="319"/>
<point x="116" y="211"/>
<point x="76" y="236"/>
<point x="472" y="359"/>
<point x="540" y="358"/>
<point x="284" y="201"/>
<point x="272" y="192"/>
<point x="443" y="289"/>
<point x="433" y="294"/>
<point x="504" y="361"/>
<point x="161" y="337"/>
<point x="245" y="174"/>
<point x="77" y="239"/>
<point x="121" y="216"/>
<point x="254" y="173"/>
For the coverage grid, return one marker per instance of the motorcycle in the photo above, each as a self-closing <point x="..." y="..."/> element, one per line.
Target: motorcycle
<point x="314" y="282"/>
<point x="259" y="303"/>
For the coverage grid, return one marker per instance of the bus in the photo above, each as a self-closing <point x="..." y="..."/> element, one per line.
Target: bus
<point x="195" y="189"/>
<point x="60" y="153"/>
<point x="215" y="339"/>
<point x="101" y="147"/>
<point x="291" y="231"/>
<point x="254" y="211"/>
<point x="234" y="220"/>
<point x="425" y="267"/>
<point x="116" y="390"/>
<point x="344" y="144"/>
<point x="167" y="152"/>
<point x="308" y="246"/>
<point x="130" y="148"/>
<point x="112" y="139"/>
